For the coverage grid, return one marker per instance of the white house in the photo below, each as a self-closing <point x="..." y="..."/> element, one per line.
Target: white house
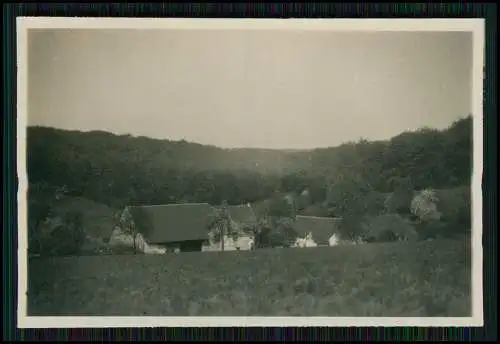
<point x="164" y="228"/>
<point x="244" y="242"/>
<point x="333" y="240"/>
<point x="316" y="231"/>
<point x="242" y="217"/>
<point x="126" y="238"/>
<point x="306" y="241"/>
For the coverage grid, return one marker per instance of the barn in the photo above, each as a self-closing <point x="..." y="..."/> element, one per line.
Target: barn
<point x="320" y="229"/>
<point x="173" y="227"/>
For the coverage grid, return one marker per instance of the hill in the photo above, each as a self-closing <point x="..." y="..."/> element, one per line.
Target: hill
<point x="416" y="279"/>
<point x="118" y="170"/>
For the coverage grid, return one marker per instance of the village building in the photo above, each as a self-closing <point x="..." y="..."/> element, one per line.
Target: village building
<point x="316" y="231"/>
<point x="164" y="228"/>
<point x="242" y="220"/>
<point x="242" y="216"/>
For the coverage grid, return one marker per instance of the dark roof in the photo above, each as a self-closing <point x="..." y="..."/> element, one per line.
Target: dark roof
<point x="321" y="228"/>
<point x="241" y="213"/>
<point x="172" y="222"/>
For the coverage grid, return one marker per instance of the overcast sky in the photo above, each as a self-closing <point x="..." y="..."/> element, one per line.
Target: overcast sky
<point x="270" y="89"/>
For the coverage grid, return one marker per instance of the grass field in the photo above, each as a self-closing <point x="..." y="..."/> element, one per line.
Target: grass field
<point x="428" y="278"/>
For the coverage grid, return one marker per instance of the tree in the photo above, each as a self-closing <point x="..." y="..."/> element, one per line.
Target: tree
<point x="423" y="206"/>
<point x="387" y="227"/>
<point x="61" y="235"/>
<point x="346" y="198"/>
<point x="128" y="226"/>
<point x="454" y="206"/>
<point x="399" y="201"/>
<point x="220" y="226"/>
<point x="424" y="210"/>
<point x="273" y="231"/>
<point x="276" y="225"/>
<point x="284" y="233"/>
<point x="111" y="168"/>
<point x="51" y="232"/>
<point x="69" y="237"/>
<point x="281" y="206"/>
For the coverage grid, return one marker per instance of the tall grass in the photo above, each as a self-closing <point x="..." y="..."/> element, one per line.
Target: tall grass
<point x="390" y="279"/>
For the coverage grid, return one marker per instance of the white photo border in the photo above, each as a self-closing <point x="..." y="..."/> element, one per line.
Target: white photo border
<point x="475" y="26"/>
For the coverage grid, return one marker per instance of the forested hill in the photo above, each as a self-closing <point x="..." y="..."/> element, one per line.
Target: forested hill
<point x="120" y="169"/>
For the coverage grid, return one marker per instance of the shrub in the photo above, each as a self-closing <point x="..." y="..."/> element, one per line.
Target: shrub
<point x="443" y="213"/>
<point x="375" y="203"/>
<point x="431" y="229"/>
<point x="276" y="231"/>
<point x="60" y="236"/>
<point x="387" y="227"/>
<point x="455" y="207"/>
<point x="423" y="206"/>
<point x="399" y="201"/>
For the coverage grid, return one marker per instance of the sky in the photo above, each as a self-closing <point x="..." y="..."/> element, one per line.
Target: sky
<point x="256" y="89"/>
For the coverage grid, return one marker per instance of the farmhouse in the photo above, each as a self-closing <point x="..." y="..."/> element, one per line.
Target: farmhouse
<point x="242" y="220"/>
<point x="319" y="230"/>
<point x="171" y="227"/>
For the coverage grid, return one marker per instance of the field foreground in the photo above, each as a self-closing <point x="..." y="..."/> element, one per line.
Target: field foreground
<point x="418" y="279"/>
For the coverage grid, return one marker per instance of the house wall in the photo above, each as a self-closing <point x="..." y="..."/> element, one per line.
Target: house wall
<point x="119" y="237"/>
<point x="306" y="241"/>
<point x="334" y="240"/>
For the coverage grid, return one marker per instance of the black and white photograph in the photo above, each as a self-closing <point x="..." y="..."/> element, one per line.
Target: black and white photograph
<point x="263" y="172"/>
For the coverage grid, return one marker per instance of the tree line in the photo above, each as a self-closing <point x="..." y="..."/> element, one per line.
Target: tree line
<point x="371" y="185"/>
<point x="118" y="170"/>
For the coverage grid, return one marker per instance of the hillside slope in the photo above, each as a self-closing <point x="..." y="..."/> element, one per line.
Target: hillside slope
<point x="117" y="170"/>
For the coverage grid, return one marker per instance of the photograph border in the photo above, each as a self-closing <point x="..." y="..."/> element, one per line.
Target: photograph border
<point x="477" y="239"/>
<point x="476" y="26"/>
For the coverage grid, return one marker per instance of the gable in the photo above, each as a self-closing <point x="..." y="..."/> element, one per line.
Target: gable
<point x="172" y="223"/>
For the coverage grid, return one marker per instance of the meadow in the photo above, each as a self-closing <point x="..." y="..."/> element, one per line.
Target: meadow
<point x="403" y="279"/>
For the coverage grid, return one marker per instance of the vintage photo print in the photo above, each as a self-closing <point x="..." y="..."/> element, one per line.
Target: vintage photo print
<point x="249" y="172"/>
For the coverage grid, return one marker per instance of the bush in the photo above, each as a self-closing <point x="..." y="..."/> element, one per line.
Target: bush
<point x="455" y="208"/>
<point x="275" y="232"/>
<point x="423" y="206"/>
<point x="431" y="230"/>
<point x="58" y="236"/>
<point x="387" y="227"/>
<point x="443" y="213"/>
<point x="399" y="201"/>
<point x="375" y="203"/>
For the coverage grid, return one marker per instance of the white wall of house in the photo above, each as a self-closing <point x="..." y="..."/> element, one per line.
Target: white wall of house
<point x="120" y="237"/>
<point x="243" y="243"/>
<point x="306" y="241"/>
<point x="334" y="240"/>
